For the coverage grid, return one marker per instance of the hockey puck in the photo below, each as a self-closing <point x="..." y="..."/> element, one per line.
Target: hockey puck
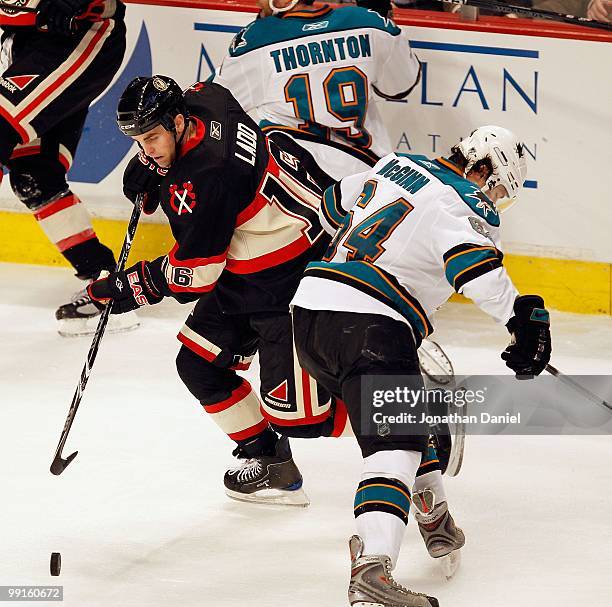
<point x="56" y="563"/>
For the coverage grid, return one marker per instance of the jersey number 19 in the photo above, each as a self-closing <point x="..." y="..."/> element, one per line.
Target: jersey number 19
<point x="346" y="97"/>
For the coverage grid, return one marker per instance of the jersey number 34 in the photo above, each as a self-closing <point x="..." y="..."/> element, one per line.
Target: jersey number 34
<point x="365" y="240"/>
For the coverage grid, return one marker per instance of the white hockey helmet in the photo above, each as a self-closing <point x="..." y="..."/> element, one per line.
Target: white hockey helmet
<point x="276" y="11"/>
<point x="506" y="154"/>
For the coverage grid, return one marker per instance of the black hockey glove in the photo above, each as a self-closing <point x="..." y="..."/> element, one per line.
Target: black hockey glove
<point x="129" y="289"/>
<point x="59" y="16"/>
<point x="382" y="7"/>
<point x="143" y="175"/>
<point x="529" y="350"/>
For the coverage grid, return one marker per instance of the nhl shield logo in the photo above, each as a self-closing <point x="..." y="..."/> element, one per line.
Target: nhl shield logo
<point x="182" y="200"/>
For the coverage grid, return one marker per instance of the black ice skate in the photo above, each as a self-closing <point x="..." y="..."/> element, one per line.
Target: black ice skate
<point x="442" y="537"/>
<point x="80" y="317"/>
<point x="267" y="479"/>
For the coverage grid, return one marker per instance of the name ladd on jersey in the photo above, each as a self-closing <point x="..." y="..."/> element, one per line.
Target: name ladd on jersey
<point x="322" y="51"/>
<point x="246" y="138"/>
<point x="404" y="176"/>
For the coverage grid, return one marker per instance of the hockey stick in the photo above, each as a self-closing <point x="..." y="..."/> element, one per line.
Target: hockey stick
<point x="566" y="379"/>
<point x="522" y="11"/>
<point x="59" y="463"/>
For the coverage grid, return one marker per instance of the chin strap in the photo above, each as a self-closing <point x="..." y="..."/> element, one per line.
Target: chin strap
<point x="276" y="11"/>
<point x="179" y="141"/>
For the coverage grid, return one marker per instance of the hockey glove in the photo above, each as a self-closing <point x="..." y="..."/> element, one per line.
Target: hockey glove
<point x="382" y="7"/>
<point x="529" y="350"/>
<point x="143" y="175"/>
<point x="129" y="289"/>
<point x="58" y="16"/>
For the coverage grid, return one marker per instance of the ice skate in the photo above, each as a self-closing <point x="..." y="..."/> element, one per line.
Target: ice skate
<point x="267" y="479"/>
<point x="80" y="317"/>
<point x="372" y="584"/>
<point x="442" y="537"/>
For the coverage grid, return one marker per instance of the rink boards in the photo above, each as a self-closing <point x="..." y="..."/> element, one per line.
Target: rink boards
<point x="544" y="82"/>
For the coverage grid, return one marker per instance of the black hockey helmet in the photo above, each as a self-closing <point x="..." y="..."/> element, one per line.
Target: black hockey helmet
<point x="149" y="101"/>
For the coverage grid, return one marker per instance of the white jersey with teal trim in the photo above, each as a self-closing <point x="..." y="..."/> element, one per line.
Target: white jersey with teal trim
<point x="408" y="233"/>
<point x="317" y="71"/>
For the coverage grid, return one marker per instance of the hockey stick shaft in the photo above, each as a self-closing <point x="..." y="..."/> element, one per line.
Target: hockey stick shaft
<point x="522" y="11"/>
<point x="577" y="386"/>
<point x="59" y="463"/>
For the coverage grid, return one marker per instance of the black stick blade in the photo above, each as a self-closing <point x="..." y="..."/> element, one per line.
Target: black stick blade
<point x="59" y="464"/>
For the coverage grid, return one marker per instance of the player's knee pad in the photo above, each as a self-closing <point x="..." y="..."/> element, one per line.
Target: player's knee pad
<point x="207" y="382"/>
<point x="37" y="180"/>
<point x="227" y="398"/>
<point x="373" y="437"/>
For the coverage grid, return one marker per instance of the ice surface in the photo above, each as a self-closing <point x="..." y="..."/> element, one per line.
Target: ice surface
<point x="141" y="519"/>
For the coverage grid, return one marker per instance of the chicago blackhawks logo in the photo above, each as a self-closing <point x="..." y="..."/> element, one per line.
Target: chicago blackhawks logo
<point x="182" y="200"/>
<point x="7" y="6"/>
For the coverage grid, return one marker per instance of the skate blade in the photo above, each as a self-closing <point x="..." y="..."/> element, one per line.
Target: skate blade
<point x="275" y="497"/>
<point x="80" y="327"/>
<point x="449" y="564"/>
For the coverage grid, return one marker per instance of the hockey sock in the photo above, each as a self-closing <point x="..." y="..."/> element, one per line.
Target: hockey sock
<point x="429" y="474"/>
<point x="382" y="501"/>
<point x="431" y="480"/>
<point x="239" y="415"/>
<point x="67" y="224"/>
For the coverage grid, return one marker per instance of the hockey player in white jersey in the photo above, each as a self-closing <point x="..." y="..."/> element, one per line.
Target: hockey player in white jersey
<point x="314" y="73"/>
<point x="408" y="233"/>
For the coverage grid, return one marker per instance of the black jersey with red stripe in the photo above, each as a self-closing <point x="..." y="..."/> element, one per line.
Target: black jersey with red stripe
<point x="242" y="208"/>
<point x="96" y="10"/>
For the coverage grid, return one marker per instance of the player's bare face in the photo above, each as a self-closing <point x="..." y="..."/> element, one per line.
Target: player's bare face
<point x="499" y="192"/>
<point x="159" y="144"/>
<point x="480" y="178"/>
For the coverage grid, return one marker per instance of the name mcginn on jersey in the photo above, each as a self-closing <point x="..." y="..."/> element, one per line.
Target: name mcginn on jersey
<point x="406" y="177"/>
<point x="293" y="57"/>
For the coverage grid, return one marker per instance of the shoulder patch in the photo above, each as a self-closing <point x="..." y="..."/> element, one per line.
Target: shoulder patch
<point x="469" y="193"/>
<point x="367" y="17"/>
<point x="239" y="41"/>
<point x="479" y="227"/>
<point x="481" y="205"/>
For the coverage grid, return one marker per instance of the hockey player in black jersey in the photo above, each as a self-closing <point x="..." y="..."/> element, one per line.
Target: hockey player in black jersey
<point x="244" y="212"/>
<point x="58" y="59"/>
